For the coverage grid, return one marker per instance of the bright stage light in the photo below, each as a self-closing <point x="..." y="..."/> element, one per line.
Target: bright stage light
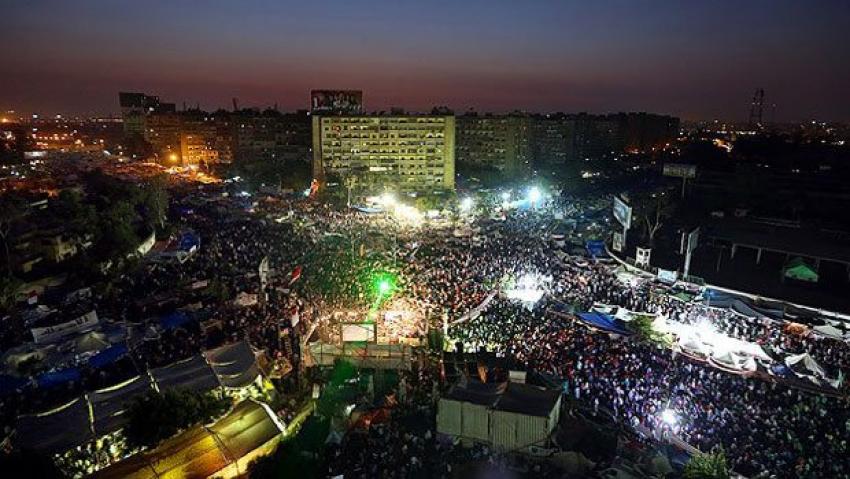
<point x="534" y="194"/>
<point x="388" y="199"/>
<point x="669" y="417"/>
<point x="466" y="204"/>
<point x="529" y="288"/>
<point x="506" y="196"/>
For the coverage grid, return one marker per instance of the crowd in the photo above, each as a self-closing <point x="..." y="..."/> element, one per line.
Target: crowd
<point x="767" y="429"/>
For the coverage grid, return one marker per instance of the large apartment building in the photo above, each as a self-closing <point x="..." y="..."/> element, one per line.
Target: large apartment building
<point x="405" y="152"/>
<point x="496" y="141"/>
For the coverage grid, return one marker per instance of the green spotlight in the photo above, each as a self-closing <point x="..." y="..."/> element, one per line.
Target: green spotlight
<point x="384" y="286"/>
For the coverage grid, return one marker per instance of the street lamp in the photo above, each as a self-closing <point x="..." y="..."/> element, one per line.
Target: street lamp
<point x="534" y="194"/>
<point x="466" y="204"/>
<point x="669" y="417"/>
<point x="388" y="199"/>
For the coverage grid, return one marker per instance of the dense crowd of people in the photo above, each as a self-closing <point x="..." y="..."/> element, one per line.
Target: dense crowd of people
<point x="767" y="429"/>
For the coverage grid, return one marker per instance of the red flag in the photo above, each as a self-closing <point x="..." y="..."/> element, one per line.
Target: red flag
<point x="296" y="273"/>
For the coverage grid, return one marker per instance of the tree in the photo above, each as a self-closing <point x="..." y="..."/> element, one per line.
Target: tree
<point x="12" y="210"/>
<point x="154" y="417"/>
<point x="8" y="289"/>
<point x="154" y="202"/>
<point x="118" y="237"/>
<point x="642" y="326"/>
<point x="79" y="217"/>
<point x="711" y="465"/>
<point x="651" y="210"/>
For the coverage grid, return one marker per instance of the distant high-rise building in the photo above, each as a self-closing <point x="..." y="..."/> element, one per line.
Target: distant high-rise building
<point x="497" y="141"/>
<point x="338" y="102"/>
<point x="404" y="152"/>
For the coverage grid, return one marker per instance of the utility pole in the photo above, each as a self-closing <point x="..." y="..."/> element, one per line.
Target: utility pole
<point x="350" y="182"/>
<point x="757" y="109"/>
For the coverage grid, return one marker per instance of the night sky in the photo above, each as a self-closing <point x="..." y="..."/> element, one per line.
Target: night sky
<point x="698" y="60"/>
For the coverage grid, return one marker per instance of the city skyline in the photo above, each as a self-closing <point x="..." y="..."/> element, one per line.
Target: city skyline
<point x="692" y="61"/>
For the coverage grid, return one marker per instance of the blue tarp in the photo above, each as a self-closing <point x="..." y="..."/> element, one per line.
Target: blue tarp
<point x="10" y="384"/>
<point x="56" y="378"/>
<point x="188" y="241"/>
<point x="596" y="248"/>
<point x="108" y="356"/>
<point x="174" y="320"/>
<point x="605" y="322"/>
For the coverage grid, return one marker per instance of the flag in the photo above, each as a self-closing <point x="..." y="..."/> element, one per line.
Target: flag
<point x="296" y="273"/>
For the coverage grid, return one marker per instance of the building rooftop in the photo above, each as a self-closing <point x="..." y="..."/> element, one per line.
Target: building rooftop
<point x="508" y="396"/>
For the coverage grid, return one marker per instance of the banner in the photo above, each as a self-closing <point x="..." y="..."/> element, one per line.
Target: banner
<point x="53" y="333"/>
<point x="618" y="242"/>
<point x="667" y="276"/>
<point x="246" y="299"/>
<point x="680" y="170"/>
<point x="263" y="272"/>
<point x="622" y="213"/>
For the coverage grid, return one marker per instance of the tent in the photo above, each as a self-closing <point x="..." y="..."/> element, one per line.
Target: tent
<point x="55" y="431"/>
<point x="367" y="210"/>
<point x="223" y="449"/>
<point x="189" y="241"/>
<point x="798" y="269"/>
<point x="734" y="362"/>
<point x="235" y="365"/>
<point x="108" y="356"/>
<point x="57" y="378"/>
<point x="108" y="405"/>
<point x="605" y="322"/>
<point x="596" y="248"/>
<point x="192" y="374"/>
<point x="829" y="331"/>
<point x="90" y="342"/>
<point x="174" y="319"/>
<point x="803" y="364"/>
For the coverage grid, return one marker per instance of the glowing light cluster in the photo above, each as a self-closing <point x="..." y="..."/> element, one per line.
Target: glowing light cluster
<point x="529" y="288"/>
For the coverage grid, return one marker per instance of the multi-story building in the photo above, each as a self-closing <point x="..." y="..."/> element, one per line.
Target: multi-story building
<point x="552" y="139"/>
<point x="647" y="131"/>
<point x="559" y="139"/>
<point x="205" y="139"/>
<point x="135" y="108"/>
<point x="272" y="136"/>
<point x="163" y="131"/>
<point x="497" y="141"/>
<point x="405" y="152"/>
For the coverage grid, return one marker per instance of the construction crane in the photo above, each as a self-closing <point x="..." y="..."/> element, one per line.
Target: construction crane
<point x="757" y="109"/>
